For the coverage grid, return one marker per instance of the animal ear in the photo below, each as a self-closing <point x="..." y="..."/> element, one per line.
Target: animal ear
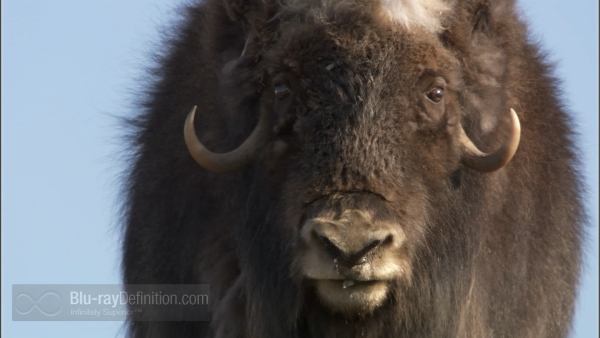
<point x="478" y="15"/>
<point x="237" y="30"/>
<point x="472" y="18"/>
<point x="476" y="36"/>
<point x="252" y="15"/>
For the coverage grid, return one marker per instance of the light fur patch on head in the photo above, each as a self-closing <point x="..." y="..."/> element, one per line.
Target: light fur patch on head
<point x="427" y="14"/>
<point x="416" y="13"/>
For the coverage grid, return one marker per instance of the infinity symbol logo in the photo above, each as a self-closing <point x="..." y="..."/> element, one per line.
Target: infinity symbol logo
<point x="49" y="303"/>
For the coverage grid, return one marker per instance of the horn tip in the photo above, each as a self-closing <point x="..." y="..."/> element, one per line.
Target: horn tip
<point x="515" y="118"/>
<point x="190" y="117"/>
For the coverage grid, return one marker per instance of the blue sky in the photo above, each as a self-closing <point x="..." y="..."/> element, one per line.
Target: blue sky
<point x="70" y="66"/>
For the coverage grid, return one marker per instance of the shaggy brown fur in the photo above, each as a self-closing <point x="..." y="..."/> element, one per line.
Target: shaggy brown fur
<point x="490" y="255"/>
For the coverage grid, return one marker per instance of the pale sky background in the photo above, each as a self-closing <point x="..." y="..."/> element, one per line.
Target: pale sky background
<point x="67" y="67"/>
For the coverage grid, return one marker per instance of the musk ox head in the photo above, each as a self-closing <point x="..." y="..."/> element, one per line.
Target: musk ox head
<point x="358" y="141"/>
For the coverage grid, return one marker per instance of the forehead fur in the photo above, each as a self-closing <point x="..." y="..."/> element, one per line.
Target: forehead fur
<point x="427" y="14"/>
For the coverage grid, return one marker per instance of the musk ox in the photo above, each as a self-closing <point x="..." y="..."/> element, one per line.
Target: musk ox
<point x="368" y="168"/>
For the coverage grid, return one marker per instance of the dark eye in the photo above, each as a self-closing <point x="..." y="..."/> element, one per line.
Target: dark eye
<point x="281" y="92"/>
<point x="436" y="94"/>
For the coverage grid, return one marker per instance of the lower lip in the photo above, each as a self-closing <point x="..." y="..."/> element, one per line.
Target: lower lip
<point x="340" y="284"/>
<point x="361" y="297"/>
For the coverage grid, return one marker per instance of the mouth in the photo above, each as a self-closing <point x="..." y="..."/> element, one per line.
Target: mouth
<point x="349" y="296"/>
<point x="347" y="283"/>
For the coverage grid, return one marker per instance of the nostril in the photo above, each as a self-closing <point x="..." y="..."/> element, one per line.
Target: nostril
<point x="350" y="258"/>
<point x="331" y="248"/>
<point x="372" y="245"/>
<point x="387" y="240"/>
<point x="360" y="257"/>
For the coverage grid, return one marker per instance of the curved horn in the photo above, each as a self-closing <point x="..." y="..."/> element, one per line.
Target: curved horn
<point x="477" y="160"/>
<point x="227" y="162"/>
